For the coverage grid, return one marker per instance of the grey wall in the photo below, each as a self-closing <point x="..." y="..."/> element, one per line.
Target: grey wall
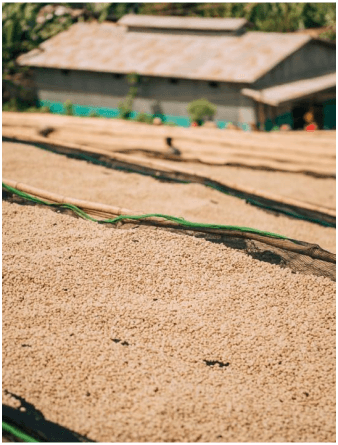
<point x="313" y="59"/>
<point x="155" y="95"/>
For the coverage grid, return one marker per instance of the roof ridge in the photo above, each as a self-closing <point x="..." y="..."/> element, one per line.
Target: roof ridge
<point x="182" y="22"/>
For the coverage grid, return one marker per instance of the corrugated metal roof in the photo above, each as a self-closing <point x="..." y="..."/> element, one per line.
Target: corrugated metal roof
<point x="107" y="47"/>
<point x="294" y="90"/>
<point x="207" y="24"/>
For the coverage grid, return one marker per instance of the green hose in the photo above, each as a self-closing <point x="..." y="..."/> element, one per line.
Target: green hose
<point x="180" y="221"/>
<point x="17" y="433"/>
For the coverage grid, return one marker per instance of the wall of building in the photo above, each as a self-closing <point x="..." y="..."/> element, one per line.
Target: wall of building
<point x="155" y="95"/>
<point x="313" y="59"/>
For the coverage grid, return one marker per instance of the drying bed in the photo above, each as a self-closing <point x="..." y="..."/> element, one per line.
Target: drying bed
<point x="266" y="200"/>
<point x="303" y="152"/>
<point x="140" y="334"/>
<point x="296" y="255"/>
<point x="127" y="332"/>
<point x="318" y="191"/>
<point x="194" y="202"/>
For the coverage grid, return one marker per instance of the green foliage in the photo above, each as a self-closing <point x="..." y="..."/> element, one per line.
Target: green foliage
<point x="125" y="107"/>
<point x="201" y="109"/>
<point x="11" y="105"/>
<point x="144" y="117"/>
<point x="22" y="32"/>
<point x="37" y="110"/>
<point x="273" y="17"/>
<point x="93" y="113"/>
<point x="330" y="34"/>
<point x="68" y="107"/>
<point x="33" y="110"/>
<point x="102" y="11"/>
<point x="286" y="17"/>
<point x="99" y="10"/>
<point x="15" y="104"/>
<point x="133" y="78"/>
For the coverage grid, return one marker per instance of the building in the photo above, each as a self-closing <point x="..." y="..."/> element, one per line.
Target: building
<point x="252" y="77"/>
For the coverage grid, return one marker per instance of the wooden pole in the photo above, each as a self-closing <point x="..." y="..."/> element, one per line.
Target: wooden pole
<point x="111" y="211"/>
<point x="261" y="116"/>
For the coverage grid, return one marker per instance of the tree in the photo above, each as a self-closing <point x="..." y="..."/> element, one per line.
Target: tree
<point x="22" y="31"/>
<point x="201" y="109"/>
<point x="126" y="106"/>
<point x="277" y="17"/>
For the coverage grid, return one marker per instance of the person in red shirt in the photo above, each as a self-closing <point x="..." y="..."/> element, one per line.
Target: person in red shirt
<point x="311" y="127"/>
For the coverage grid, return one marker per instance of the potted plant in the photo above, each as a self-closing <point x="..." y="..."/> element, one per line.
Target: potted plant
<point x="200" y="110"/>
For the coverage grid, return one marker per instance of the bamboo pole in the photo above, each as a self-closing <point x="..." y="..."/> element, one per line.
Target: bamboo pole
<point x="56" y="198"/>
<point x="305" y="249"/>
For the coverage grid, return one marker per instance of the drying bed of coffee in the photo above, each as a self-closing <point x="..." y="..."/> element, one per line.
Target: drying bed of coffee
<point x="134" y="333"/>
